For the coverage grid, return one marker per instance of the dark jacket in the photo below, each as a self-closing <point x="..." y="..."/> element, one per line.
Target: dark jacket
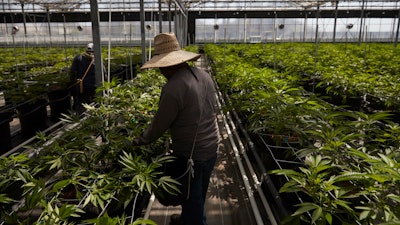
<point x="78" y="68"/>
<point x="187" y="104"/>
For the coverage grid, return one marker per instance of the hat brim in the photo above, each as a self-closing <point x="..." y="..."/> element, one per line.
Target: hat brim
<point x="170" y="59"/>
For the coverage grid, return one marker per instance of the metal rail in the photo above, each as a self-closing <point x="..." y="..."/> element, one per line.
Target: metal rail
<point x="265" y="178"/>
<point x="239" y="156"/>
<point x="242" y="153"/>
<point x="245" y="178"/>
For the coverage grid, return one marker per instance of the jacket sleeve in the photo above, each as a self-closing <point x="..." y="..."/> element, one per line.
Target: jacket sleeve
<point x="164" y="117"/>
<point x="73" y="71"/>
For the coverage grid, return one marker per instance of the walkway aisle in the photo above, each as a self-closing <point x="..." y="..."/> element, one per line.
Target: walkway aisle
<point x="227" y="202"/>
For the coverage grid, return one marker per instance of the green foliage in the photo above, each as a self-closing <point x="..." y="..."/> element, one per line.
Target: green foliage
<point x="106" y="220"/>
<point x="32" y="72"/>
<point x="350" y="171"/>
<point x="54" y="214"/>
<point x="335" y="69"/>
<point x="329" y="200"/>
<point x="93" y="161"/>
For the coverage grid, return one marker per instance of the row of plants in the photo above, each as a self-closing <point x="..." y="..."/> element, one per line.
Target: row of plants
<point x="33" y="78"/>
<point x="368" y="71"/>
<point x="26" y="58"/>
<point x="350" y="159"/>
<point x="89" y="172"/>
<point x="29" y="72"/>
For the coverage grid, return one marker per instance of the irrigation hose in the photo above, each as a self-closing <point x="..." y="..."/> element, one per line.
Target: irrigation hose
<point x="257" y="183"/>
<point x="250" y="195"/>
<point x="264" y="175"/>
<point x="149" y="206"/>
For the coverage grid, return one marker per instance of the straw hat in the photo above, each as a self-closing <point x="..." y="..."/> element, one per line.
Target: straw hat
<point x="167" y="52"/>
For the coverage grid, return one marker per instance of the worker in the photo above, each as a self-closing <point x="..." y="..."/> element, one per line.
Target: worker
<point x="187" y="108"/>
<point x="83" y="79"/>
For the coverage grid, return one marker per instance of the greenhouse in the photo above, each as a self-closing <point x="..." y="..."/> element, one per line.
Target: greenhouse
<point x="279" y="112"/>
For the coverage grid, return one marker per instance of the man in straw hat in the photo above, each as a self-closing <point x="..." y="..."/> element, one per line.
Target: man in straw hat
<point x="187" y="108"/>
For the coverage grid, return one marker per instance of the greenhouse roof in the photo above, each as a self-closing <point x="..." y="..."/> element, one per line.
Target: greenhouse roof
<point x="193" y="5"/>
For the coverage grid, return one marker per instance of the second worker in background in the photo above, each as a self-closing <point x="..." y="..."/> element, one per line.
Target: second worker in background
<point x="83" y="79"/>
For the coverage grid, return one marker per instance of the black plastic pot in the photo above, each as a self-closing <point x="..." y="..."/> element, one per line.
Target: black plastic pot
<point x="60" y="102"/>
<point x="353" y="103"/>
<point x="124" y="72"/>
<point x="6" y="116"/>
<point x="32" y="117"/>
<point x="374" y="103"/>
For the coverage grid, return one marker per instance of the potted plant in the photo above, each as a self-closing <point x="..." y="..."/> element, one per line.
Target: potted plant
<point x="30" y="101"/>
<point x="6" y="116"/>
<point x="90" y="170"/>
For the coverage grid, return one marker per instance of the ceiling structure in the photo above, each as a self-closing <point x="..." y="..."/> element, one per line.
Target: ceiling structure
<point x="193" y="5"/>
<point x="187" y="12"/>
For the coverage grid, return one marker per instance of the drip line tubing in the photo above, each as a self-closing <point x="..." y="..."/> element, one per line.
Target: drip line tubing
<point x="251" y="170"/>
<point x="149" y="206"/>
<point x="253" y="203"/>
<point x="264" y="175"/>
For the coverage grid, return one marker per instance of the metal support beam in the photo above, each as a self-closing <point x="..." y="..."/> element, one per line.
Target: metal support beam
<point x="142" y="31"/>
<point x="98" y="66"/>
<point x="181" y="7"/>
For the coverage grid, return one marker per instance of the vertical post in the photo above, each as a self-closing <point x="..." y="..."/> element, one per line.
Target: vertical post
<point x="130" y="55"/>
<point x="191" y="28"/>
<point x="98" y="66"/>
<point x="335" y="22"/>
<point x="245" y="27"/>
<point x="215" y="28"/>
<point x="275" y="18"/>
<point x="24" y="18"/>
<point x="15" y="52"/>
<point x="160" y="16"/>
<point x="177" y="21"/>
<point x="65" y="29"/>
<point x="48" y="22"/>
<point x="316" y="27"/>
<point x="305" y="26"/>
<point x="397" y="30"/>
<point x="361" y="22"/>
<point x="316" y="41"/>
<point x="142" y="31"/>
<point x="6" y="33"/>
<point x="65" y="43"/>
<point x="109" y="44"/>
<point x="169" y="16"/>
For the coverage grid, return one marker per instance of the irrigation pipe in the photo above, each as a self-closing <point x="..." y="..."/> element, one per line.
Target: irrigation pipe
<point x="149" y="206"/>
<point x="133" y="207"/>
<point x="264" y="175"/>
<point x="253" y="203"/>
<point x="257" y="183"/>
<point x="106" y="206"/>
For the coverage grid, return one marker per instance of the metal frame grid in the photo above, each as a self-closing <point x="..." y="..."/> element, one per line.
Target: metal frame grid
<point x="193" y="5"/>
